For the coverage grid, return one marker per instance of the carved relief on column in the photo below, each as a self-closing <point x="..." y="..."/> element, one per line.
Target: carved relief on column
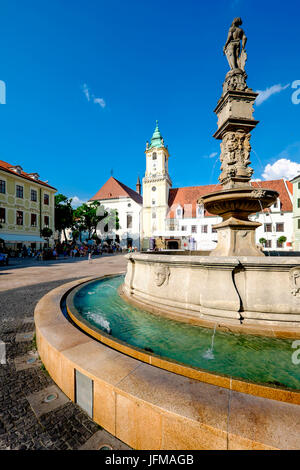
<point x="235" y="81"/>
<point x="235" y="157"/>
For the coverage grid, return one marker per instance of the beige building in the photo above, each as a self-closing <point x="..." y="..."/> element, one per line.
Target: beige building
<point x="26" y="207"/>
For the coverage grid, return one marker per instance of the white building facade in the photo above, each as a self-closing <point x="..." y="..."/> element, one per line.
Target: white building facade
<point x="114" y="195"/>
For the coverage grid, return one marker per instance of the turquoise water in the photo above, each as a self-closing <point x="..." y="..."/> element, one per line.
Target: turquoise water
<point x="259" y="359"/>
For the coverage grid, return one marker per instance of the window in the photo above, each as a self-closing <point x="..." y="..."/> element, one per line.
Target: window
<point x="298" y="202"/>
<point x="2" y="187"/>
<point x="203" y="228"/>
<point x="275" y="205"/>
<point x="129" y="220"/>
<point x="33" y="220"/>
<point x="194" y="228"/>
<point x="280" y="227"/>
<point x="178" y="212"/>
<point x="268" y="227"/>
<point x="154" y="156"/>
<point x="183" y="228"/>
<point x="46" y="199"/>
<point x="153" y="202"/>
<point x="268" y="244"/>
<point x="46" y="220"/>
<point x="33" y="195"/>
<point x="279" y="244"/>
<point x="153" y="215"/>
<point x="19" y="191"/>
<point x="153" y="188"/>
<point x="2" y="215"/>
<point x="298" y="223"/>
<point x="19" y="217"/>
<point x="213" y="230"/>
<point x="299" y="185"/>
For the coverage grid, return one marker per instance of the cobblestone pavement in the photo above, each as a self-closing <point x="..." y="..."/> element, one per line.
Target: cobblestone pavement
<point x="66" y="427"/>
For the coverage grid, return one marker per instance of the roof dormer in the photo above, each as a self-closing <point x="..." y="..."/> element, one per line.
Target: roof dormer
<point x="34" y="176"/>
<point x="17" y="169"/>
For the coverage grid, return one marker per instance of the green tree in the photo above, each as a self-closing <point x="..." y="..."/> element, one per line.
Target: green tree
<point x="89" y="216"/>
<point x="46" y="232"/>
<point x="63" y="214"/>
<point x="262" y="241"/>
<point x="281" y="240"/>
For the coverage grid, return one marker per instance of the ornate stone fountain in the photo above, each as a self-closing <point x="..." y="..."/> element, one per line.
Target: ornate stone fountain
<point x="238" y="199"/>
<point x="236" y="288"/>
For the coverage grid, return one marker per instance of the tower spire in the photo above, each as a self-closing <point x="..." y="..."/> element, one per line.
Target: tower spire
<point x="138" y="185"/>
<point x="156" y="140"/>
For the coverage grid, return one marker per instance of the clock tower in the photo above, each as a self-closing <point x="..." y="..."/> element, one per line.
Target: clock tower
<point x="156" y="185"/>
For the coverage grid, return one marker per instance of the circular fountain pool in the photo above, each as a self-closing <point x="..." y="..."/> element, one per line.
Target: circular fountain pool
<point x="258" y="359"/>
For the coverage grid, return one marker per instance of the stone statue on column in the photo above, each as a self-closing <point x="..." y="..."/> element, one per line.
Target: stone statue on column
<point x="232" y="49"/>
<point x="237" y="199"/>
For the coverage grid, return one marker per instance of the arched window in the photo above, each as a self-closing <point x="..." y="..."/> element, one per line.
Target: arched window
<point x="154" y="156"/>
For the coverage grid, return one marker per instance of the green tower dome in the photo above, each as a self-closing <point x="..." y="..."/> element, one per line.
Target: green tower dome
<point x="156" y="140"/>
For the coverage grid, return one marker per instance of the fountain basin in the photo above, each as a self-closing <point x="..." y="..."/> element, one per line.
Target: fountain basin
<point x="251" y="295"/>
<point x="97" y="308"/>
<point x="151" y="408"/>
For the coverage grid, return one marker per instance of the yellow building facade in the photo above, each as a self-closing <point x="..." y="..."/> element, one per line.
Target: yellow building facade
<point x="26" y="207"/>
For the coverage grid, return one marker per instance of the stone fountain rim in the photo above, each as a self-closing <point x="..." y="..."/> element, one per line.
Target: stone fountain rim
<point x="61" y="346"/>
<point x="241" y="385"/>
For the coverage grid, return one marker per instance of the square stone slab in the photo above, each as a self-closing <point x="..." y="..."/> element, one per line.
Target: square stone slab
<point x="104" y="439"/>
<point x="40" y="405"/>
<point x="28" y="320"/>
<point x="22" y="337"/>
<point x="31" y="359"/>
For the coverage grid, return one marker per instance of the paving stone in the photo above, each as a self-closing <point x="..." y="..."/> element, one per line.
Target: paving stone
<point x="39" y="401"/>
<point x="104" y="439"/>
<point x="28" y="320"/>
<point x="64" y="428"/>
<point x="27" y="336"/>
<point x="31" y="359"/>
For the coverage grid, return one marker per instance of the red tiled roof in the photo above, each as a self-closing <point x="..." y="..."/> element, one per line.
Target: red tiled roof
<point x="114" y="189"/>
<point x="187" y="197"/>
<point x="7" y="167"/>
<point x="290" y="186"/>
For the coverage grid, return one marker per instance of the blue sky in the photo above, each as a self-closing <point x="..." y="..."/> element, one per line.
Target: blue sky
<point x="86" y="81"/>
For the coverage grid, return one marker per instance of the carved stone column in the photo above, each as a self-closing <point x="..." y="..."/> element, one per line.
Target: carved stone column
<point x="238" y="199"/>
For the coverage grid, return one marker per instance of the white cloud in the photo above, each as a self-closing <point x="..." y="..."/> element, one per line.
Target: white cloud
<point x="76" y="201"/>
<point x="90" y="96"/>
<point x="265" y="94"/>
<point x="211" y="155"/>
<point x="282" y="168"/>
<point x="86" y="91"/>
<point x="100" y="101"/>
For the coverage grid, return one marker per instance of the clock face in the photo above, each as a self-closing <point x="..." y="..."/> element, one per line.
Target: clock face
<point x="153" y="188"/>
